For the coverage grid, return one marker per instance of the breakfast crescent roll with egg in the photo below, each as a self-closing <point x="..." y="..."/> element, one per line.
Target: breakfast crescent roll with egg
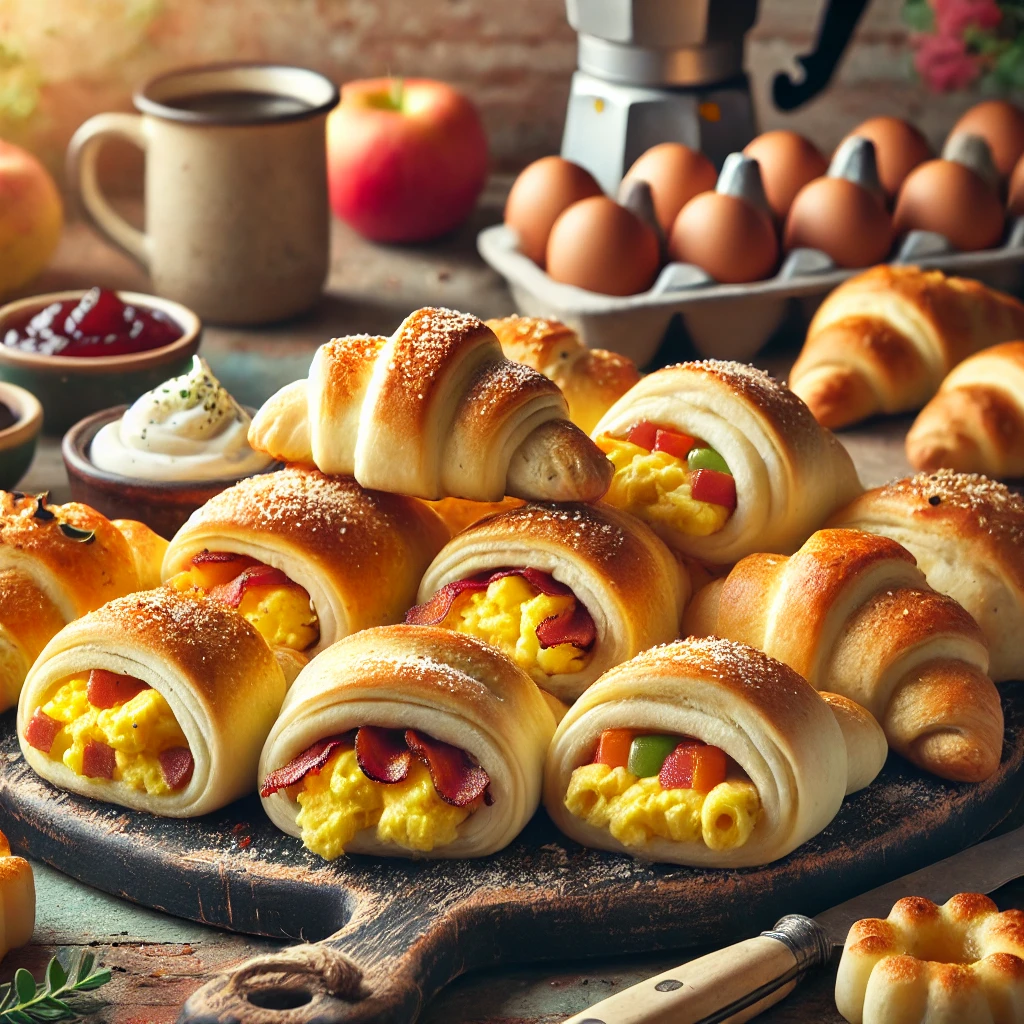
<point x="306" y="558"/>
<point x="566" y="591"/>
<point x="852" y="613"/>
<point x="721" y="460"/>
<point x="435" y="411"/>
<point x="706" y="753"/>
<point x="407" y="741"/>
<point x="58" y="562"/>
<point x="158" y="701"/>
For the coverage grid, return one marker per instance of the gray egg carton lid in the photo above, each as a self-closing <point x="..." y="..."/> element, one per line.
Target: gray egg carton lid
<point x="728" y="321"/>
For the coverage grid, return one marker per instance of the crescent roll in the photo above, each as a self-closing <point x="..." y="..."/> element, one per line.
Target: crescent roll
<point x="435" y="411"/>
<point x="158" y="701"/>
<point x="592" y="380"/>
<point x="407" y="741"/>
<point x="851" y="612"/>
<point x="703" y="752"/>
<point x="566" y="591"/>
<point x="976" y="421"/>
<point x="306" y="558"/>
<point x="721" y="461"/>
<point x="458" y="513"/>
<point x="967" y="534"/>
<point x="58" y="562"/>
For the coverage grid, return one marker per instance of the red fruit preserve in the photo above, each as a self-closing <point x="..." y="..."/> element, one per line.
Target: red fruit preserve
<point x="97" y="324"/>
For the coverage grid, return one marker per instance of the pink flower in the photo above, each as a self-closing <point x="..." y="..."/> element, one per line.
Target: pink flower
<point x="954" y="17"/>
<point x="944" y="63"/>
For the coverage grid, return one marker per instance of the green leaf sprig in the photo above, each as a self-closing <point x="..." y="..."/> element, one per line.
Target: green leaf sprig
<point x="24" y="1001"/>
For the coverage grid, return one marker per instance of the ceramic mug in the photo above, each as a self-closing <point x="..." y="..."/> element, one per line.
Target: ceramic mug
<point x="236" y="220"/>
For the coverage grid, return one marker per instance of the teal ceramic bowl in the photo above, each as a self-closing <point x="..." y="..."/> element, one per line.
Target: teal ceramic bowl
<point x="18" y="441"/>
<point x="73" y="387"/>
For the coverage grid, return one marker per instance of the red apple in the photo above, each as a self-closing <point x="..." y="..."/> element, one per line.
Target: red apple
<point x="406" y="158"/>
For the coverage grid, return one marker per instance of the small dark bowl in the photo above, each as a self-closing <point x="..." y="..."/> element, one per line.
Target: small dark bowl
<point x="18" y="441"/>
<point x="70" y="387"/>
<point x="162" y="506"/>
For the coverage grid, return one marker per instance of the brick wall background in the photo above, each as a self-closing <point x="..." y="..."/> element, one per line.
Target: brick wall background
<point x="62" y="60"/>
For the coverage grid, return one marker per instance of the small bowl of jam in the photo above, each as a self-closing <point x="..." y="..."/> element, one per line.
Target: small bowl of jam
<point x="82" y="351"/>
<point x="21" y="419"/>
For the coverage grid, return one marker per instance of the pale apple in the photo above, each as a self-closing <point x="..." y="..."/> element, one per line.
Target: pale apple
<point x="31" y="217"/>
<point x="406" y="158"/>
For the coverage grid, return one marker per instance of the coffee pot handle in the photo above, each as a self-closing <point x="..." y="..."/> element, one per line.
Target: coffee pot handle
<point x="82" y="162"/>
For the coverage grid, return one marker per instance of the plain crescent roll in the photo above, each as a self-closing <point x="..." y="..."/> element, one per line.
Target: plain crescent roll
<point x="787" y="752"/>
<point x="455" y="692"/>
<point x="967" y="534"/>
<point x="209" y="669"/>
<point x="434" y="411"/>
<point x="852" y="612"/>
<point x="611" y="567"/>
<point x="790" y="473"/>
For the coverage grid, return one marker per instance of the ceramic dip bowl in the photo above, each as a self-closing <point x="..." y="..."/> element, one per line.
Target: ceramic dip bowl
<point x="18" y="441"/>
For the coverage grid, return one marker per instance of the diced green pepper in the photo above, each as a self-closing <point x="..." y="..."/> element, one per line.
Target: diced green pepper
<point x="648" y="753"/>
<point x="706" y="458"/>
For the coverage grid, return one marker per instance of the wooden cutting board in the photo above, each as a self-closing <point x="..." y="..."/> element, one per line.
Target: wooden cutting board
<point x="400" y="930"/>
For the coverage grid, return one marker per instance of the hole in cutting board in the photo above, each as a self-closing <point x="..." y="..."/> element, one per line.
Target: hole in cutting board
<point x="279" y="998"/>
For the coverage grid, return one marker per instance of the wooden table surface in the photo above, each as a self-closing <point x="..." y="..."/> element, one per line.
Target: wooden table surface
<point x="158" y="960"/>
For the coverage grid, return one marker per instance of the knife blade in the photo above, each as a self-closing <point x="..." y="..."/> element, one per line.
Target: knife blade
<point x="736" y="983"/>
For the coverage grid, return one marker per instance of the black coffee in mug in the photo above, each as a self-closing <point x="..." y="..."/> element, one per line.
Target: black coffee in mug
<point x="238" y="107"/>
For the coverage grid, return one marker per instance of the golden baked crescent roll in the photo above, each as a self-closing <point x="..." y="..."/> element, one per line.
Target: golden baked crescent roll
<point x="158" y="701"/>
<point x="435" y="411"/>
<point x="315" y="557"/>
<point x="407" y="741"/>
<point x="567" y="591"/>
<point x="733" y="760"/>
<point x="883" y="341"/>
<point x="975" y="423"/>
<point x="58" y="562"/>
<point x="721" y="460"/>
<point x="851" y="612"/>
<point x="967" y="534"/>
<point x="458" y="513"/>
<point x="592" y="380"/>
<point x="17" y="900"/>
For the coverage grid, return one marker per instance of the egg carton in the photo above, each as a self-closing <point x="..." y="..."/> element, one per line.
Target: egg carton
<point x="733" y="321"/>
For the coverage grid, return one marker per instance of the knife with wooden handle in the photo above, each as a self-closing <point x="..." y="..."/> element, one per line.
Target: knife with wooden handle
<point x="738" y="982"/>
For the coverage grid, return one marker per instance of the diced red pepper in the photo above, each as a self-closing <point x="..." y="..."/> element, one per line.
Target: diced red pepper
<point x="108" y="689"/>
<point x="716" y="488"/>
<point x="643" y="434"/>
<point x="98" y="760"/>
<point x="176" y="766"/>
<point x="673" y="443"/>
<point x="693" y="765"/>
<point x="613" y="747"/>
<point x="41" y="731"/>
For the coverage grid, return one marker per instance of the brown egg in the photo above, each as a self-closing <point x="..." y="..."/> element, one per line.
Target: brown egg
<point x="1015" y="192"/>
<point x="676" y="174"/>
<point x="899" y="148"/>
<point x="541" y="192"/>
<point x="603" y="247"/>
<point x="1001" y="125"/>
<point x="726" y="236"/>
<point x="947" y="197"/>
<point x="841" y="218"/>
<point x="788" y="161"/>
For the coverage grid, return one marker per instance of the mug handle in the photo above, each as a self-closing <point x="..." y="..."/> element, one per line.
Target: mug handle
<point x="83" y="157"/>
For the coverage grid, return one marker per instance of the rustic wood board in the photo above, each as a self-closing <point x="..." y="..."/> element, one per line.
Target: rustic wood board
<point x="413" y="926"/>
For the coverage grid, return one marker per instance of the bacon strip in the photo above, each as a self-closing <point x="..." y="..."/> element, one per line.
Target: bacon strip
<point x="310" y="761"/>
<point x="98" y="760"/>
<point x="108" y="689"/>
<point x="382" y="754"/>
<point x="457" y="780"/>
<point x="232" y="593"/>
<point x="205" y="557"/>
<point x="176" y="766"/>
<point x="42" y="730"/>
<point x="577" y="620"/>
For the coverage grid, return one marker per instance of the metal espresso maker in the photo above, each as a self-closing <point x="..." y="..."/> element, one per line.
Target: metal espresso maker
<point x="652" y="71"/>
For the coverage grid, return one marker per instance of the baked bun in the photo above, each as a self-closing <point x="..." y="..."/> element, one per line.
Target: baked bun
<point x="17" y="900"/>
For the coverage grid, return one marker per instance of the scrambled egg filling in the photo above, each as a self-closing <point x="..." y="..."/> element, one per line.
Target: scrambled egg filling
<point x="138" y="730"/>
<point x="507" y="615"/>
<point x="638" y="810"/>
<point x="655" y="487"/>
<point x="341" y="801"/>
<point x="283" y="615"/>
